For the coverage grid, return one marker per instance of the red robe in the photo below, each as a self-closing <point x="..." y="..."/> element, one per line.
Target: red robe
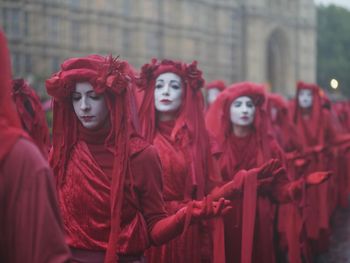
<point x="316" y="135"/>
<point x="245" y="153"/>
<point x="177" y="192"/>
<point x="84" y="197"/>
<point x="30" y="224"/>
<point x="250" y="227"/>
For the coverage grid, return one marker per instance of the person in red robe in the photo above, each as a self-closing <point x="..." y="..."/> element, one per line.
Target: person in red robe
<point x="31" y="113"/>
<point x="109" y="180"/>
<point x="318" y="134"/>
<point x="30" y="224"/>
<point x="174" y="123"/>
<point x="238" y="119"/>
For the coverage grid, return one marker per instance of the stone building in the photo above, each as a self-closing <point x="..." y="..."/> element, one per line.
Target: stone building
<point x="268" y="41"/>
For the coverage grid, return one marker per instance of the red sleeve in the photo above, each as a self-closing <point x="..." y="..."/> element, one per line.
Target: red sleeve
<point x="147" y="171"/>
<point x="30" y="223"/>
<point x="283" y="190"/>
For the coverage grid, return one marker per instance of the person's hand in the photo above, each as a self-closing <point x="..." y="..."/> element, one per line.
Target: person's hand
<point x="207" y="208"/>
<point x="317" y="178"/>
<point x="268" y="169"/>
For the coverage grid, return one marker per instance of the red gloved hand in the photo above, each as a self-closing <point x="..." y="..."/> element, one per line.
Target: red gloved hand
<point x="268" y="169"/>
<point x="207" y="208"/>
<point x="317" y="178"/>
<point x="230" y="189"/>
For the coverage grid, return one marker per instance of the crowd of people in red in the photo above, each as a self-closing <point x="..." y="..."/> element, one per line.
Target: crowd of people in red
<point x="147" y="166"/>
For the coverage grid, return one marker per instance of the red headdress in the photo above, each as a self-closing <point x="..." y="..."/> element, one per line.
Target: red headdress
<point x="189" y="130"/>
<point x="216" y="84"/>
<point x="311" y="129"/>
<point x="10" y="126"/>
<point x="113" y="79"/>
<point x="218" y="116"/>
<point x="31" y="114"/>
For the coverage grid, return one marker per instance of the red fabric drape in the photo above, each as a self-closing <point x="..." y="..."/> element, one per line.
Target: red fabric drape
<point x="10" y="127"/>
<point x="31" y="114"/>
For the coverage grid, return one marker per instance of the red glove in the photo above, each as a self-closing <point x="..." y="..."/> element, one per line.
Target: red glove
<point x="172" y="226"/>
<point x="317" y="178"/>
<point x="232" y="188"/>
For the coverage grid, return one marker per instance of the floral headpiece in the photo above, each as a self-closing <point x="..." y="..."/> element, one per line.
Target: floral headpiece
<point x="104" y="74"/>
<point x="189" y="73"/>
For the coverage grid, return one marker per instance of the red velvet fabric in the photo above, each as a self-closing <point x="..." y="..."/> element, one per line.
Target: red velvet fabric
<point x="257" y="209"/>
<point x="32" y="115"/>
<point x="73" y="158"/>
<point x="10" y="127"/>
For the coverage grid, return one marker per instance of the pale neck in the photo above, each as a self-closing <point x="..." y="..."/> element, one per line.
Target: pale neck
<point x="242" y="131"/>
<point x="166" y="116"/>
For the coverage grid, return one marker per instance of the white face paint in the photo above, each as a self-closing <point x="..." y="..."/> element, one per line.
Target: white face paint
<point x="168" y="93"/>
<point x="212" y="95"/>
<point x="242" y="111"/>
<point x="305" y="98"/>
<point x="274" y="112"/>
<point x="90" y="108"/>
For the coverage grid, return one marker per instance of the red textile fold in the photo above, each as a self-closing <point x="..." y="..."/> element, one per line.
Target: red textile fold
<point x="10" y="127"/>
<point x="249" y="211"/>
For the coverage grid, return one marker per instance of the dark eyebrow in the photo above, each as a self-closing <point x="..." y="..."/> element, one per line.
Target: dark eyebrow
<point x="174" y="81"/>
<point x="160" y="80"/>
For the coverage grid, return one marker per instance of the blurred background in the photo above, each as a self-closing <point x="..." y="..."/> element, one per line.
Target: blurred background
<point x="276" y="42"/>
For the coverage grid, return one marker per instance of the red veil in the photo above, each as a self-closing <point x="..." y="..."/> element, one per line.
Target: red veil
<point x="114" y="79"/>
<point x="311" y="132"/>
<point x="218" y="119"/>
<point x="10" y="126"/>
<point x="189" y="129"/>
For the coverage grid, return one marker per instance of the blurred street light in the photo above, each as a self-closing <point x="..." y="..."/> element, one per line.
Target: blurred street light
<point x="334" y="83"/>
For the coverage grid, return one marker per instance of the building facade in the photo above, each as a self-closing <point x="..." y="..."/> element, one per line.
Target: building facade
<point x="268" y="41"/>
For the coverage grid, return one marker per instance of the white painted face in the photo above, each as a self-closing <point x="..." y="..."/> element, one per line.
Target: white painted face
<point x="212" y="95"/>
<point x="305" y="98"/>
<point x="90" y="108"/>
<point x="242" y="111"/>
<point x="274" y="112"/>
<point x="168" y="93"/>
